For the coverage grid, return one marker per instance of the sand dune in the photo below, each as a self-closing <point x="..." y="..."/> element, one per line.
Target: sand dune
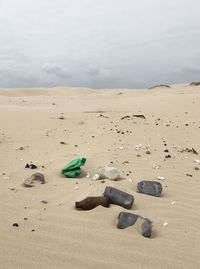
<point x="55" y="235"/>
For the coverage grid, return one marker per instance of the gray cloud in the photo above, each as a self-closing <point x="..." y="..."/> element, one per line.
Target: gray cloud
<point x="99" y="43"/>
<point x="55" y="69"/>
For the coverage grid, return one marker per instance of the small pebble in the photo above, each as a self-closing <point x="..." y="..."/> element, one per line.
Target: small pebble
<point x="44" y="202"/>
<point x="87" y="175"/>
<point x="161" y="178"/>
<point x="15" y="224"/>
<point x="156" y="166"/>
<point x="173" y="202"/>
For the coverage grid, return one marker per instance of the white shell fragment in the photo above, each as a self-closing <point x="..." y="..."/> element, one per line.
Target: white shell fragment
<point x="173" y="202"/>
<point x="96" y="177"/>
<point x="160" y="178"/>
<point x="156" y="166"/>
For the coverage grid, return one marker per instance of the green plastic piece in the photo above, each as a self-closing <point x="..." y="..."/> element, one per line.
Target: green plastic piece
<point x="73" y="169"/>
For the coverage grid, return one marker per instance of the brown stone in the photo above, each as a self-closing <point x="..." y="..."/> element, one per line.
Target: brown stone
<point x="92" y="202"/>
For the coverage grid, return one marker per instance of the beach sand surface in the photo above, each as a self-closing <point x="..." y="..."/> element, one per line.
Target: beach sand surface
<point x="54" y="234"/>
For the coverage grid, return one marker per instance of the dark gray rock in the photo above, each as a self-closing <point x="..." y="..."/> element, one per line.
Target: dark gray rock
<point x="146" y="229"/>
<point x="153" y="188"/>
<point x="126" y="219"/>
<point x="118" y="197"/>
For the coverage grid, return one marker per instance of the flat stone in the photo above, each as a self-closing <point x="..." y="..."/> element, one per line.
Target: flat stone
<point x="153" y="188"/>
<point x="126" y="219"/>
<point x="118" y="197"/>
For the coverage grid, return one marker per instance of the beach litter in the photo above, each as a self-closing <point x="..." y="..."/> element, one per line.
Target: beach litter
<point x="73" y="169"/>
<point x="36" y="177"/>
<point x="152" y="188"/>
<point x="108" y="172"/>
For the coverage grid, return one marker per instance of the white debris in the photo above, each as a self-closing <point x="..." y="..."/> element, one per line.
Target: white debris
<point x="76" y="188"/>
<point x="121" y="147"/>
<point x="197" y="161"/>
<point x="6" y="177"/>
<point x="87" y="175"/>
<point x="165" y="223"/>
<point x="138" y="146"/>
<point x="108" y="172"/>
<point x="96" y="177"/>
<point x="173" y="202"/>
<point x="156" y="166"/>
<point x="160" y="178"/>
<point x="130" y="180"/>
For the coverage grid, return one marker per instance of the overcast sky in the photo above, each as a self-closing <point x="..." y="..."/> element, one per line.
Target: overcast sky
<point x="99" y="43"/>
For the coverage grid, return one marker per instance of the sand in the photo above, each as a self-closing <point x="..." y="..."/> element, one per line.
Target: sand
<point x="55" y="234"/>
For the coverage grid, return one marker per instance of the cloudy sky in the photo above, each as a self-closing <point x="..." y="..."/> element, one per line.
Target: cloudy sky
<point x="99" y="43"/>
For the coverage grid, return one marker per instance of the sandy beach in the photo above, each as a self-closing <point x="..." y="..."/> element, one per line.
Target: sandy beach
<point x="99" y="125"/>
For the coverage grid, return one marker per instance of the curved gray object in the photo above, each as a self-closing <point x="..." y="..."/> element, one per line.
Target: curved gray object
<point x="153" y="188"/>
<point x="118" y="197"/>
<point x="147" y="228"/>
<point x="126" y="220"/>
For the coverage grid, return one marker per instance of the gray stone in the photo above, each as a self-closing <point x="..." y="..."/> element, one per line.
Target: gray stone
<point x="153" y="188"/>
<point x="126" y="220"/>
<point x="146" y="229"/>
<point x="118" y="197"/>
